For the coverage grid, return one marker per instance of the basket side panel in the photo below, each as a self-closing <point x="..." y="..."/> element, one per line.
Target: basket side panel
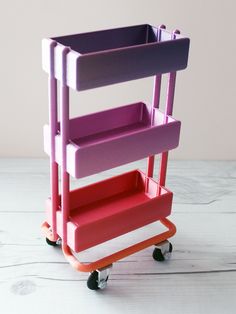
<point x="122" y="65"/>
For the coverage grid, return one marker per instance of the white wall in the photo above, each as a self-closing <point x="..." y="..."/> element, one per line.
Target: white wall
<point x="205" y="94"/>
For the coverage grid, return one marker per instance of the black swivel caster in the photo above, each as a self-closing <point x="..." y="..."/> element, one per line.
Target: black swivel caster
<point x="98" y="278"/>
<point x="53" y="243"/>
<point x="162" y="251"/>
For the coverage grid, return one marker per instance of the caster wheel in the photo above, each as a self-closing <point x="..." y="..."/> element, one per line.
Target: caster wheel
<point x="162" y="252"/>
<point x="52" y="243"/>
<point x="93" y="282"/>
<point x="157" y="255"/>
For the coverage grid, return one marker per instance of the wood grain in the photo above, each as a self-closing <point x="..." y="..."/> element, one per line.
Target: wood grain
<point x="199" y="278"/>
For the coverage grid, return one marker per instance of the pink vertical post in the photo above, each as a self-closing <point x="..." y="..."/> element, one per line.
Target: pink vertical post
<point x="64" y="119"/>
<point x="155" y="104"/>
<point x="52" y="88"/>
<point x="168" y="111"/>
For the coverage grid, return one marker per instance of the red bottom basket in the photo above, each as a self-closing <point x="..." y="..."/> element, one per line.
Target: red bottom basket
<point x="102" y="211"/>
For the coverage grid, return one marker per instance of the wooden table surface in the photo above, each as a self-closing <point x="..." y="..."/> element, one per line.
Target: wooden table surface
<point x="199" y="278"/>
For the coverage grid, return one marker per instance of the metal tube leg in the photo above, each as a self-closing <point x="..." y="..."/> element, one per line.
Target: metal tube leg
<point x="168" y="111"/>
<point x="64" y="118"/>
<point x="52" y="88"/>
<point x="54" y="197"/>
<point x="155" y="104"/>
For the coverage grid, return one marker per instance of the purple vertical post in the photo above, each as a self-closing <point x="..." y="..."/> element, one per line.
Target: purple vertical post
<point x="64" y="119"/>
<point x="168" y="111"/>
<point x="155" y="104"/>
<point x="52" y="88"/>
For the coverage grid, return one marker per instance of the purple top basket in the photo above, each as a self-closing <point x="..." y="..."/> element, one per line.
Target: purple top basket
<point x="116" y="55"/>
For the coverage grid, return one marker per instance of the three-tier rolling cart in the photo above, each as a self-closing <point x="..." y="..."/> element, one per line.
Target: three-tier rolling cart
<point x="85" y="217"/>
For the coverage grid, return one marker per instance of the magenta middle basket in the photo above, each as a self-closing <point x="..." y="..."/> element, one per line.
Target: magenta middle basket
<point x="110" y="138"/>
